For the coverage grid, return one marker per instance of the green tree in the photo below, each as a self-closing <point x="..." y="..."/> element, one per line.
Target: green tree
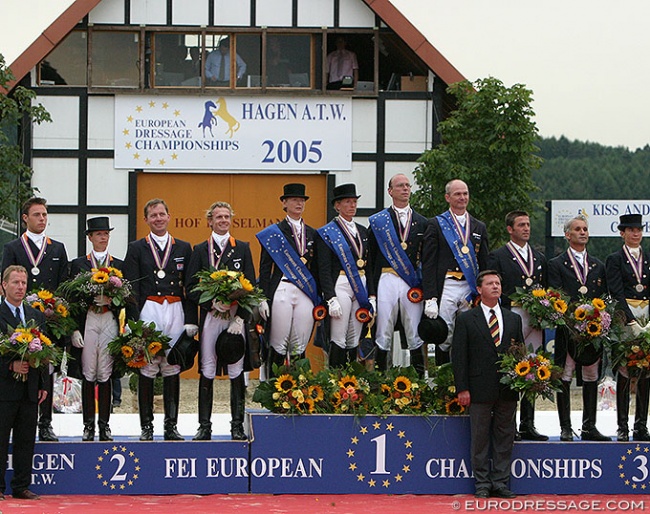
<point x="16" y="107"/>
<point x="489" y="143"/>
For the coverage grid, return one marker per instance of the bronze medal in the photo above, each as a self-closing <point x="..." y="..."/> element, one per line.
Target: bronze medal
<point x="465" y="249"/>
<point x="361" y="263"/>
<point x="404" y="245"/>
<point x="583" y="289"/>
<point x="639" y="288"/>
<point x="529" y="281"/>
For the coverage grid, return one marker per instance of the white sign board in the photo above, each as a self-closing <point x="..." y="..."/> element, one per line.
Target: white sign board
<point x="233" y="133"/>
<point x="602" y="215"/>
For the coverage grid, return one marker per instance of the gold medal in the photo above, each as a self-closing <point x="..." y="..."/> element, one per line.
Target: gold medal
<point x="465" y="249"/>
<point x="361" y="263"/>
<point x="529" y="281"/>
<point x="404" y="245"/>
<point x="303" y="260"/>
<point x="639" y="288"/>
<point x="583" y="290"/>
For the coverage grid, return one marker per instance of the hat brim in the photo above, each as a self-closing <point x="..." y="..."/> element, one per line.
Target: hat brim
<point x="334" y="200"/>
<point x="284" y="197"/>
<point x="99" y="230"/>
<point x="623" y="226"/>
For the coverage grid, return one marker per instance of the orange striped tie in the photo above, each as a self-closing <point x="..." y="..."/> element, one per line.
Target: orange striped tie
<point x="494" y="328"/>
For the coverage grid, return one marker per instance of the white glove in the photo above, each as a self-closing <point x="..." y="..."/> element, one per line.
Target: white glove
<point x="77" y="339"/>
<point x="635" y="328"/>
<point x="102" y="300"/>
<point x="191" y="330"/>
<point x="431" y="308"/>
<point x="263" y="309"/>
<point x="220" y="306"/>
<point x="236" y="326"/>
<point x="373" y="304"/>
<point x="334" y="307"/>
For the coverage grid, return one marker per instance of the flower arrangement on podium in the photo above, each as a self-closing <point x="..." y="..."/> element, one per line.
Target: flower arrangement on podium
<point x="106" y="282"/>
<point x="28" y="343"/>
<point x="633" y="353"/>
<point x="594" y="323"/>
<point x="444" y="391"/>
<point x="228" y="288"/>
<point x="530" y="373"/>
<point x="545" y="306"/>
<point x="58" y="321"/>
<point x="137" y="346"/>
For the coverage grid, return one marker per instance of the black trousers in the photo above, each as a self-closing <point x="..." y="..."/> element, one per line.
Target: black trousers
<point x="21" y="417"/>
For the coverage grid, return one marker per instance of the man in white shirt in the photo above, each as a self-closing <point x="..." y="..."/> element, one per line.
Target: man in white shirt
<point x="217" y="65"/>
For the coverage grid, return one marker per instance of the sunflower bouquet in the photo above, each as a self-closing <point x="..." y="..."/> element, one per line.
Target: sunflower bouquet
<point x="28" y="343"/>
<point x="403" y="392"/>
<point x="58" y="321"/>
<point x="530" y="373"/>
<point x="545" y="306"/>
<point x="444" y="391"/>
<point x="633" y="354"/>
<point x="349" y="392"/>
<point x="106" y="281"/>
<point x="592" y="322"/>
<point x="138" y="346"/>
<point x="228" y="287"/>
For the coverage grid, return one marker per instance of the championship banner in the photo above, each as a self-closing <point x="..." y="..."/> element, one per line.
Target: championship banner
<point x="233" y="133"/>
<point x="602" y="215"/>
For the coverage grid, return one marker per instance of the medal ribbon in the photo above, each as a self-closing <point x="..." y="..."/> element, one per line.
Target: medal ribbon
<point x="355" y="241"/>
<point x="161" y="263"/>
<point x="95" y="264"/>
<point x="301" y="241"/>
<point x="637" y="264"/>
<point x="581" y="275"/>
<point x="406" y="229"/>
<point x="214" y="262"/>
<point x="463" y="232"/>
<point x="526" y="267"/>
<point x="35" y="261"/>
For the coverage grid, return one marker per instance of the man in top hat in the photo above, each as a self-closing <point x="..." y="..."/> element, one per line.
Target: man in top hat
<point x="46" y="262"/>
<point x="628" y="278"/>
<point x="522" y="266"/>
<point x="217" y="65"/>
<point x="342" y="263"/>
<point x="580" y="276"/>
<point x="455" y="249"/>
<point x="395" y="248"/>
<point x="224" y="252"/>
<point x="97" y="327"/>
<point x="156" y="266"/>
<point x="288" y="277"/>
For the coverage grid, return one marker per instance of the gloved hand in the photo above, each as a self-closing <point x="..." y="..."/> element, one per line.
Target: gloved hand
<point x="431" y="308"/>
<point x="264" y="310"/>
<point x="236" y="326"/>
<point x="635" y="328"/>
<point x="220" y="306"/>
<point x="77" y="339"/>
<point x="191" y="330"/>
<point x="102" y="300"/>
<point x="334" y="307"/>
<point x="373" y="304"/>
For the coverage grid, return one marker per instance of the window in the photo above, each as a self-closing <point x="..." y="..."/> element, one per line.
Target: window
<point x="177" y="60"/>
<point x="115" y="59"/>
<point x="67" y="64"/>
<point x="289" y="61"/>
<point x="228" y="59"/>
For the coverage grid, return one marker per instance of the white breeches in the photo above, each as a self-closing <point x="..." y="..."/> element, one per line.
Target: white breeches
<point x="96" y="362"/>
<point x="346" y="330"/>
<point x="533" y="337"/>
<point x="452" y="301"/>
<point x="169" y="319"/>
<point x="292" y="320"/>
<point x="212" y="328"/>
<point x="392" y="300"/>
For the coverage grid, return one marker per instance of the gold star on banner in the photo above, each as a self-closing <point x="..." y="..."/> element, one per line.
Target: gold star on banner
<point x="177" y="112"/>
<point x="646" y="449"/>
<point x="633" y="486"/>
<point x="386" y="483"/>
<point x="638" y="448"/>
<point x="620" y="466"/>
<point x="350" y="453"/>
<point x="105" y="452"/>
<point x="136" y="460"/>
<point x="130" y="482"/>
<point x="147" y="161"/>
<point x="409" y="456"/>
<point x="165" y="105"/>
<point x="122" y="449"/>
<point x="352" y="466"/>
<point x="401" y="434"/>
<point x="408" y="444"/>
<point x="152" y="104"/>
<point x="137" y="468"/>
<point x="131" y="454"/>
<point x="623" y="457"/>
<point x="98" y="467"/>
<point x="371" y="483"/>
<point x="364" y="430"/>
<point x="390" y="427"/>
<point x="161" y="162"/>
<point x="122" y="487"/>
<point x="128" y="146"/>
<point x="376" y="425"/>
<point x="105" y="483"/>
<point x="627" y="482"/>
<point x="406" y="468"/>
<point x="125" y="132"/>
<point x="622" y="475"/>
<point x="129" y="119"/>
<point x="361" y="477"/>
<point x="135" y="476"/>
<point x="113" y="487"/>
<point x="355" y="440"/>
<point x="643" y="486"/>
<point x="136" y="156"/>
<point x="100" y="476"/>
<point x="629" y="452"/>
<point x="174" y="156"/>
<point x="398" y="478"/>
<point x="138" y="108"/>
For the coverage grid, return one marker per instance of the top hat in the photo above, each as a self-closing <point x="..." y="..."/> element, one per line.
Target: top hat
<point x="433" y="331"/>
<point x="631" y="221"/>
<point x="96" y="224"/>
<point x="294" y="191"/>
<point x="230" y="348"/>
<point x="344" y="191"/>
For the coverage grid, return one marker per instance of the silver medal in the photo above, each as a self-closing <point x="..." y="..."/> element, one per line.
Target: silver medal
<point x="639" y="288"/>
<point x="35" y="271"/>
<point x="583" y="290"/>
<point x="161" y="273"/>
<point x="529" y="281"/>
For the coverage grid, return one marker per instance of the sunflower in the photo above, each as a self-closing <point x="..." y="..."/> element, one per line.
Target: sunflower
<point x="580" y="314"/>
<point x="285" y="383"/>
<point x="543" y="373"/>
<point x="140" y="362"/>
<point x="594" y="328"/>
<point x="127" y="351"/>
<point x="348" y="381"/>
<point x="538" y="293"/>
<point x="46" y="340"/>
<point x="245" y="283"/>
<point x="24" y="337"/>
<point x="402" y="384"/>
<point x="315" y="393"/>
<point x="454" y="407"/>
<point x="216" y="275"/>
<point x="598" y="303"/>
<point x="560" y="306"/>
<point x="62" y="310"/>
<point x="44" y="294"/>
<point x="523" y="368"/>
<point x="116" y="272"/>
<point x="100" y="277"/>
<point x="154" y="347"/>
<point x="311" y="405"/>
<point x="39" y="306"/>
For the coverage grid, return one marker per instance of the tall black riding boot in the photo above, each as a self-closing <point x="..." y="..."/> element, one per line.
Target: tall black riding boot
<point x="381" y="360"/>
<point x="171" y="399"/>
<point x="527" y="430"/>
<point x="88" y="409"/>
<point x="145" y="407"/>
<point x="589" y="405"/>
<point x="206" y="395"/>
<point x="641" y="413"/>
<point x="237" y="408"/>
<point x="337" y="356"/>
<point x="273" y="358"/>
<point x="563" y="398"/>
<point x="417" y="361"/>
<point x="622" y="407"/>
<point x="104" y="399"/>
<point x="45" y="431"/>
<point x="352" y="354"/>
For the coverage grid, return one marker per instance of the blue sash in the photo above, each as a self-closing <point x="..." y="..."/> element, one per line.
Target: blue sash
<point x="389" y="245"/>
<point x="466" y="262"/>
<point x="287" y="259"/>
<point x="335" y="240"/>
